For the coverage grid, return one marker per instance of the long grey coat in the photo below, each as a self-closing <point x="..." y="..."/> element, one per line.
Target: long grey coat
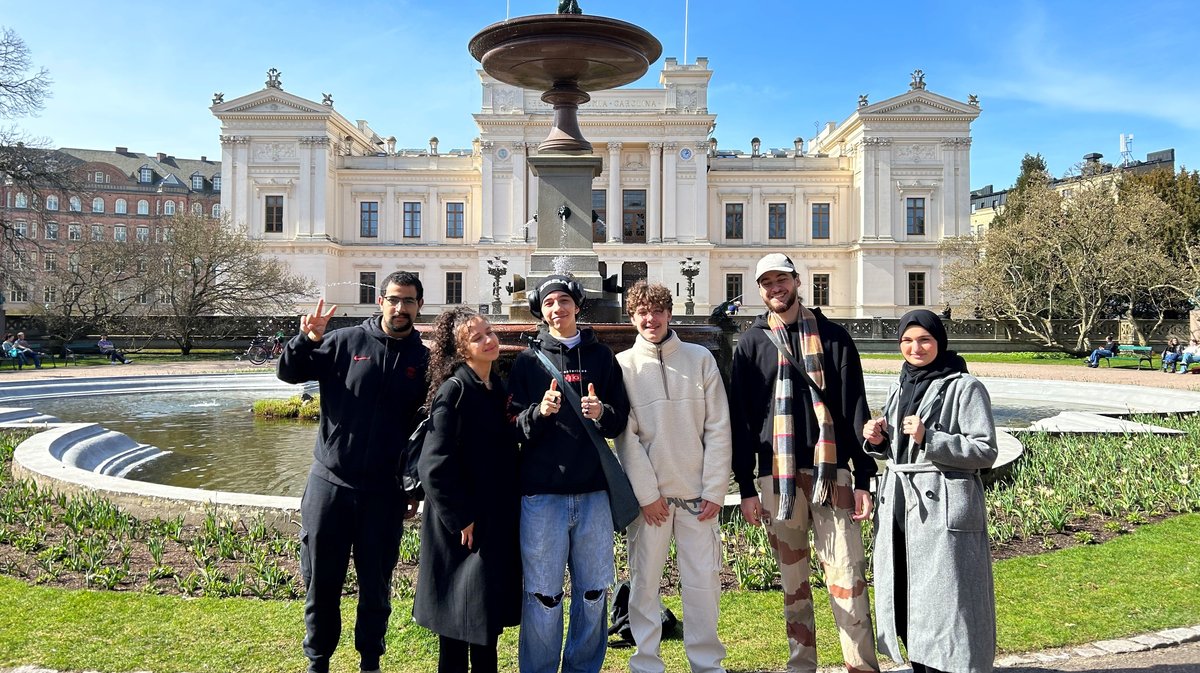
<point x="951" y="604"/>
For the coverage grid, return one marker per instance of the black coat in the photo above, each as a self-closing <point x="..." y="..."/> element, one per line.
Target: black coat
<point x="468" y="468"/>
<point x="752" y="397"/>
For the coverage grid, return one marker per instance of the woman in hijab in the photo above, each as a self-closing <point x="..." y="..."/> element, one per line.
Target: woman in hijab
<point x="933" y="568"/>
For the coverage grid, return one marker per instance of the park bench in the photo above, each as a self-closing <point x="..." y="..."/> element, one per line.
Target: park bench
<point x="1138" y="354"/>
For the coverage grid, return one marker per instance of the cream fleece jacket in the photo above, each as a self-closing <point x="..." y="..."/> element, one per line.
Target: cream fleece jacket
<point x="677" y="443"/>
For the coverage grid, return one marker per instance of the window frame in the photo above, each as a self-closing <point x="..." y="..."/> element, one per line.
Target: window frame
<point x="368" y="219"/>
<point x="367" y="282"/>
<point x="273" y="214"/>
<point x="821" y="282"/>
<point x="917" y="284"/>
<point x="777" y="221"/>
<point x="454" y="287"/>
<point x="914" y="215"/>
<point x="822" y="215"/>
<point x="735" y="220"/>
<point x="456" y="220"/>
<point x="412" y="219"/>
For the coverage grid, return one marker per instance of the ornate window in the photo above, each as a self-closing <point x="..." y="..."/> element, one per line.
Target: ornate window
<point x="915" y="217"/>
<point x="273" y="216"/>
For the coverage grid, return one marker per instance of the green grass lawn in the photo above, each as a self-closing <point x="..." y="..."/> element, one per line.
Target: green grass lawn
<point x="1143" y="581"/>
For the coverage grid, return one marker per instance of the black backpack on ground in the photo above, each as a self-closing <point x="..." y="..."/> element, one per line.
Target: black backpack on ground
<point x="619" y="619"/>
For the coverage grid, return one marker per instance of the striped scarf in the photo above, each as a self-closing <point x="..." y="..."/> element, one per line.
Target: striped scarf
<point x="783" y="439"/>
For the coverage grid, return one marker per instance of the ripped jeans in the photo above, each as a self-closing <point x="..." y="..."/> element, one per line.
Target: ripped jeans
<point x="560" y="532"/>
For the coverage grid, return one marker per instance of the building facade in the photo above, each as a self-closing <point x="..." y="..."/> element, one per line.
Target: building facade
<point x="861" y="208"/>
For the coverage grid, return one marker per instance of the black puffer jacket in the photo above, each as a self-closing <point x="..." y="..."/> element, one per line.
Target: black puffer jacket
<point x="556" y="454"/>
<point x="371" y="388"/>
<point x="752" y="396"/>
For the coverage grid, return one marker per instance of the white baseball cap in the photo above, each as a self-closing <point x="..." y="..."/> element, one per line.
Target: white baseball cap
<point x="776" y="261"/>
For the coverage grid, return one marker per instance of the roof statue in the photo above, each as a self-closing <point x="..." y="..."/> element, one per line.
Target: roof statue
<point x="918" y="80"/>
<point x="218" y="98"/>
<point x="569" y="7"/>
<point x="273" y="79"/>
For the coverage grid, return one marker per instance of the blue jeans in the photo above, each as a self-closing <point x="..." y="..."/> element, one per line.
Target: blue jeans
<point x="1094" y="358"/>
<point x="560" y="532"/>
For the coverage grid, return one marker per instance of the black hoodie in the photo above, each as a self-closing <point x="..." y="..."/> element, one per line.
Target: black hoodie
<point x="752" y="396"/>
<point x="556" y="454"/>
<point x="371" y="388"/>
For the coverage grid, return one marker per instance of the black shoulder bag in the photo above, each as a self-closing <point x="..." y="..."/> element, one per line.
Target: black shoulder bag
<point x="621" y="500"/>
<point x="410" y="479"/>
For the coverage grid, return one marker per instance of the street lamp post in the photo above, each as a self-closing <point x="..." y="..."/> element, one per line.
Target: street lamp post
<point x="690" y="269"/>
<point x="496" y="269"/>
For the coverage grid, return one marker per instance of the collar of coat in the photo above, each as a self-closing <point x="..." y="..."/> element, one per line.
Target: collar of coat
<point x="931" y="395"/>
<point x="649" y="349"/>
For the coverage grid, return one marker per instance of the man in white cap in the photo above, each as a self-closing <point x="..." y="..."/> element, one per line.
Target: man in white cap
<point x="796" y="398"/>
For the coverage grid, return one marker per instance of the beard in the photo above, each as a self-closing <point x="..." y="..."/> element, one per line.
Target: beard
<point x="788" y="303"/>
<point x="400" y="322"/>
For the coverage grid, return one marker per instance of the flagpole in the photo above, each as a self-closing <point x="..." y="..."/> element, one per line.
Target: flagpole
<point x="685" y="31"/>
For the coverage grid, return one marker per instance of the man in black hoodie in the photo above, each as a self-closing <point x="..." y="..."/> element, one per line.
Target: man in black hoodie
<point x="565" y="515"/>
<point x="796" y="424"/>
<point x="372" y="381"/>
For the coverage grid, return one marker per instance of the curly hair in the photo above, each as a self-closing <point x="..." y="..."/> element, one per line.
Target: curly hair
<point x="446" y="347"/>
<point x="651" y="296"/>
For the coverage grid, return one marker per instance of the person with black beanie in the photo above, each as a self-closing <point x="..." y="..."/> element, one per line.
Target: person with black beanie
<point x="933" y="568"/>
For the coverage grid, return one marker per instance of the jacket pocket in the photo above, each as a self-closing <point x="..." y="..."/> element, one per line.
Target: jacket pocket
<point x="964" y="502"/>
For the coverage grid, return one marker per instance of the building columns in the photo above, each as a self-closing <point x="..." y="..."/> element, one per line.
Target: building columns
<point x="654" y="201"/>
<point x="615" y="204"/>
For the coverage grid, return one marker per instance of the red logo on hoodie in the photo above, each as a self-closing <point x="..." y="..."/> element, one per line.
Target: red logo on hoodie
<point x="411" y="372"/>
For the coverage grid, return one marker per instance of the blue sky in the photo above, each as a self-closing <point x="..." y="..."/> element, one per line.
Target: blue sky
<point x="1062" y="78"/>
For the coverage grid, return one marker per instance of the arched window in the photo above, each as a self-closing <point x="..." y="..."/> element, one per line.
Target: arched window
<point x="97" y="205"/>
<point x="76" y="205"/>
<point x="197" y="209"/>
<point x="216" y="210"/>
<point x="121" y="208"/>
<point x="169" y="207"/>
<point x="51" y="202"/>
<point x="143" y="207"/>
<point x="22" y="200"/>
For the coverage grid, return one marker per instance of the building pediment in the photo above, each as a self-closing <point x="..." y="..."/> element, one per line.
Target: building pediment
<point x="271" y="102"/>
<point x="916" y="103"/>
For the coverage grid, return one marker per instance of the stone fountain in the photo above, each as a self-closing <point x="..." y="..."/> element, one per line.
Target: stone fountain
<point x="565" y="56"/>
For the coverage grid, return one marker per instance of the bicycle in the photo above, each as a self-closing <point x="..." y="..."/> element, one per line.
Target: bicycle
<point x="262" y="349"/>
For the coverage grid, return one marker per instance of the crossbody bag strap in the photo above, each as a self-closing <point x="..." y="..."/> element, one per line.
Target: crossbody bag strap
<point x="573" y="399"/>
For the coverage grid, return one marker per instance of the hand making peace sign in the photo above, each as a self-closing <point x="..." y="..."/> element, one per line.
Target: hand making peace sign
<point x="313" y="325"/>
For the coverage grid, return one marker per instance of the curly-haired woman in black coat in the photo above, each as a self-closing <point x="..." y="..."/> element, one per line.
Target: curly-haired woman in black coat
<point x="469" y="581"/>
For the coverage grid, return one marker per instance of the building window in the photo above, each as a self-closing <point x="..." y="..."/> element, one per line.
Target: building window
<point x="733" y="286"/>
<point x="916" y="288"/>
<point x="22" y="200"/>
<point x="633" y="216"/>
<point x="456" y="219"/>
<point x="98" y="177"/>
<point x="167" y="234"/>
<point x="74" y="232"/>
<point x="454" y="287"/>
<point x="76" y="205"/>
<point x="143" y="298"/>
<point x="197" y="182"/>
<point x="97" y="205"/>
<point x="216" y="180"/>
<point x="600" y="213"/>
<point x="273" y="217"/>
<point x="734" y="216"/>
<point x="216" y="210"/>
<point x="119" y="233"/>
<point x="366" y="287"/>
<point x="50" y="294"/>
<point x="18" y="293"/>
<point x="52" y="231"/>
<point x="198" y="209"/>
<point x="776" y="220"/>
<point x="121" y="207"/>
<point x="169" y="208"/>
<point x="143" y="234"/>
<point x="820" y="293"/>
<point x="820" y="220"/>
<point x="51" y="203"/>
<point x="915" y="217"/>
<point x="97" y="232"/>
<point x="21" y="228"/>
<point x="141" y="265"/>
<point x="50" y="261"/>
<point x="368" y="219"/>
<point x="412" y="219"/>
<point x="143" y="207"/>
<point x="73" y="262"/>
<point x="17" y="259"/>
<point x="145" y="175"/>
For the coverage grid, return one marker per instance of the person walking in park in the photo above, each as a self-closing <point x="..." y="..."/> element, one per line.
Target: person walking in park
<point x="469" y="579"/>
<point x="933" y="567"/>
<point x="676" y="450"/>
<point x="372" y="381"/>
<point x="797" y="406"/>
<point x="569" y="490"/>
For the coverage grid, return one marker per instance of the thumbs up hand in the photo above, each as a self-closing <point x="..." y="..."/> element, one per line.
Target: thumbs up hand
<point x="552" y="400"/>
<point x="591" y="406"/>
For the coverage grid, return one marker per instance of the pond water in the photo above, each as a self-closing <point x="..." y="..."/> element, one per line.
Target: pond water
<point x="216" y="443"/>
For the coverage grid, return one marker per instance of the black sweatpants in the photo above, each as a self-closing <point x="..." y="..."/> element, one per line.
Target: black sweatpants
<point x="334" y="521"/>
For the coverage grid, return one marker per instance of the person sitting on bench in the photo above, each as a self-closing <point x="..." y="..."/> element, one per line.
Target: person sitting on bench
<point x="108" y="349"/>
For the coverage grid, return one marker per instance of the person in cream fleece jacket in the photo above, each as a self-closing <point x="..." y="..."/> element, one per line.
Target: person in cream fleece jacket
<point x="676" y="450"/>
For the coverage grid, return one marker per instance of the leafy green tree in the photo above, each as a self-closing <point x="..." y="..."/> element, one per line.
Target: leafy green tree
<point x="1033" y="174"/>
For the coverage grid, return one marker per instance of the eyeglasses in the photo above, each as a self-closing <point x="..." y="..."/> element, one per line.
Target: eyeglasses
<point x="407" y="301"/>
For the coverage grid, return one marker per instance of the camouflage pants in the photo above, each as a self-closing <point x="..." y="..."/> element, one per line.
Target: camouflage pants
<point x="838" y="543"/>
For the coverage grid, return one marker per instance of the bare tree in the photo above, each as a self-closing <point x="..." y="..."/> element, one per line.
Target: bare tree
<point x="1058" y="265"/>
<point x="210" y="269"/>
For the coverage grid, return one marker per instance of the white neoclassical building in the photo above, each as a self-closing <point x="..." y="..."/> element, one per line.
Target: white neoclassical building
<point x="860" y="208"/>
